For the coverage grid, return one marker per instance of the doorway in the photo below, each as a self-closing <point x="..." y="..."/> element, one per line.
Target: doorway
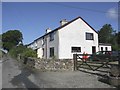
<point x="93" y="49"/>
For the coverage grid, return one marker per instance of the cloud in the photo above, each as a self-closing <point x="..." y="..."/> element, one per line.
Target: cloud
<point x="112" y="13"/>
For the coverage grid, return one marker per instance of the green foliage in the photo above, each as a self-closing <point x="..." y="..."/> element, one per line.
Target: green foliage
<point x="23" y="51"/>
<point x="11" y="39"/>
<point x="29" y="53"/>
<point x="105" y="34"/>
<point x="118" y="38"/>
<point x="108" y="35"/>
<point x="14" y="52"/>
<point x="115" y="47"/>
<point x="11" y="42"/>
<point x="0" y="54"/>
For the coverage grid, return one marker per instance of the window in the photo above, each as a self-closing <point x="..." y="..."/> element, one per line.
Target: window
<point x="43" y="52"/>
<point x="89" y="36"/>
<point x="106" y="48"/>
<point x="51" y="51"/>
<point x="101" y="48"/>
<point x="36" y="50"/>
<point x="76" y="49"/>
<point x="51" y="36"/>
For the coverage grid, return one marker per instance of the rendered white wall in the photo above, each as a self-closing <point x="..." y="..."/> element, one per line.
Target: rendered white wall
<point x="74" y="35"/>
<point x="47" y="46"/>
<point x="54" y="43"/>
<point x="39" y="53"/>
<point x="104" y="46"/>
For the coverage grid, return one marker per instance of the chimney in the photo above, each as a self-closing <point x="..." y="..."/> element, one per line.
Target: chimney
<point x="48" y="30"/>
<point x="64" y="21"/>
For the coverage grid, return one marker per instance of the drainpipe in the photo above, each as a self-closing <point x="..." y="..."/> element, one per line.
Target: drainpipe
<point x="46" y="45"/>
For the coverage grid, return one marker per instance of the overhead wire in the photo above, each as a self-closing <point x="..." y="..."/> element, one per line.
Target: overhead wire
<point x="87" y="9"/>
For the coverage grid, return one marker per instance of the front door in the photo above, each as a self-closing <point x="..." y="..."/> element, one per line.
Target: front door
<point x="93" y="49"/>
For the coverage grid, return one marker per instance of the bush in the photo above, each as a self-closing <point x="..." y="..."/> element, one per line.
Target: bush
<point x="22" y="51"/>
<point x="1" y="54"/>
<point x="14" y="52"/>
<point x="29" y="53"/>
<point x="115" y="47"/>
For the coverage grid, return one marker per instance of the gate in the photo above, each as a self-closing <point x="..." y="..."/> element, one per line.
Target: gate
<point x="81" y="60"/>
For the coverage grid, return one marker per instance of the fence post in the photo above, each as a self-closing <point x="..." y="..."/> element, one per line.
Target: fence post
<point x="75" y="61"/>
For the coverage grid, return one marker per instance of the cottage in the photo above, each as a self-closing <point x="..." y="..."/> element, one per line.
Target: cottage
<point x="105" y="47"/>
<point x="75" y="36"/>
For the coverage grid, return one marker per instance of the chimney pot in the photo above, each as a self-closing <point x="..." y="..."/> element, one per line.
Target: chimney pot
<point x="48" y="30"/>
<point x="64" y="21"/>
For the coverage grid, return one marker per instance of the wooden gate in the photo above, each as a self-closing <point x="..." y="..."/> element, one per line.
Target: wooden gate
<point x="81" y="60"/>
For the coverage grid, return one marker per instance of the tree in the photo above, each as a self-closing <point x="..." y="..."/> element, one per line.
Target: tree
<point x="105" y="34"/>
<point x="118" y="40"/>
<point x="108" y="35"/>
<point x="11" y="39"/>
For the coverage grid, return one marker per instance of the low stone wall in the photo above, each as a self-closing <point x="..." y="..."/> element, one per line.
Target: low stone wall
<point x="54" y="64"/>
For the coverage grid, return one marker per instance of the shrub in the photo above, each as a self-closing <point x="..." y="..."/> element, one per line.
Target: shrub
<point x="22" y="51"/>
<point x="29" y="53"/>
<point x="14" y="52"/>
<point x="1" y="54"/>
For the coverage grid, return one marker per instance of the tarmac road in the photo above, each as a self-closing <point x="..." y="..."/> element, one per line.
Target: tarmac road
<point x="16" y="76"/>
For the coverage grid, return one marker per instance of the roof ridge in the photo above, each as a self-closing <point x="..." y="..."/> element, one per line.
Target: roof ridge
<point x="64" y="26"/>
<point x="58" y="27"/>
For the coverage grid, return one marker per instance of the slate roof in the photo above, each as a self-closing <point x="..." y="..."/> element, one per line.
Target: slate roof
<point x="64" y="26"/>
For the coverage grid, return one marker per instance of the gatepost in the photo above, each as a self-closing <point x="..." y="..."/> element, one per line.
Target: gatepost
<point x="75" y="61"/>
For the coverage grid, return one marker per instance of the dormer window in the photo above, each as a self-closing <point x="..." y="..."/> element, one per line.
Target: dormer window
<point x="89" y="36"/>
<point x="51" y="36"/>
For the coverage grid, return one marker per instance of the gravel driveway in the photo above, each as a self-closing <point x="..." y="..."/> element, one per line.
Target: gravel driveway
<point x="0" y="74"/>
<point x="73" y="79"/>
<point x="20" y="77"/>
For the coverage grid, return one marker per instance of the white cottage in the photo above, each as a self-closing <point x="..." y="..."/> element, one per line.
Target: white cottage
<point x="105" y="47"/>
<point x="75" y="36"/>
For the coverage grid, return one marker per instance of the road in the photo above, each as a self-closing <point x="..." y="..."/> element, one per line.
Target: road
<point x="0" y="75"/>
<point x="14" y="75"/>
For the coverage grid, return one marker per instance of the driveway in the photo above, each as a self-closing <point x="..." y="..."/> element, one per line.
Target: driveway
<point x="0" y="74"/>
<point x="14" y="75"/>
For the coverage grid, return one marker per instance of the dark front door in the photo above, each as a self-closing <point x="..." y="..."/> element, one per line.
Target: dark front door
<point x="93" y="49"/>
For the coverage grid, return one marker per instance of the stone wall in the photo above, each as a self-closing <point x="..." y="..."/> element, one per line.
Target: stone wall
<point x="54" y="64"/>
